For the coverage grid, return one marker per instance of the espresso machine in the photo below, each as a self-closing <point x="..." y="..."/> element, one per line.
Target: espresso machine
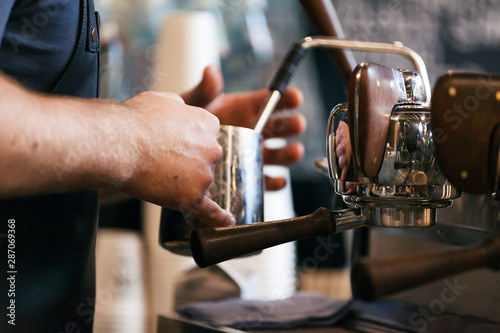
<point x="397" y="161"/>
<point x="401" y="155"/>
<point x="386" y="148"/>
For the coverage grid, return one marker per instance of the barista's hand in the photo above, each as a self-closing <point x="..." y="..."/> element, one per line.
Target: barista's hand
<point x="240" y="109"/>
<point x="177" y="152"/>
<point x="152" y="146"/>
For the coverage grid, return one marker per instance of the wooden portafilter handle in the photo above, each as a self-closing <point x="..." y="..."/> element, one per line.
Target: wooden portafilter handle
<point x="210" y="246"/>
<point x="372" y="278"/>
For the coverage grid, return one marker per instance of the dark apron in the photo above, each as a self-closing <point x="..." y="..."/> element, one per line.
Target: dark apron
<point x="55" y="234"/>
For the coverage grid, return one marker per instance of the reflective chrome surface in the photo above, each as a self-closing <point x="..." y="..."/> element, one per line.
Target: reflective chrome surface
<point x="237" y="187"/>
<point x="238" y="177"/>
<point x="348" y="219"/>
<point x="407" y="217"/>
<point x="416" y="83"/>
<point x="393" y="47"/>
<point x="409" y="185"/>
<point x="409" y="155"/>
<point x="410" y="90"/>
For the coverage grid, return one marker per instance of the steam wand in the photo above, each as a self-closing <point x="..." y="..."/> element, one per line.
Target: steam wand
<point x="297" y="52"/>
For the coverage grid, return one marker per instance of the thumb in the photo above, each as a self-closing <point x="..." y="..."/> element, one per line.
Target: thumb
<point x="210" y="86"/>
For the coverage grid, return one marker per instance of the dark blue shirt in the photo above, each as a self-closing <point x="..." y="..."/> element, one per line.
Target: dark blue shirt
<point x="48" y="46"/>
<point x="38" y="38"/>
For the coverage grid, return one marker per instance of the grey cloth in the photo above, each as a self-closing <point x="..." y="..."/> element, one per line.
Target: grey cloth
<point x="205" y="285"/>
<point x="302" y="309"/>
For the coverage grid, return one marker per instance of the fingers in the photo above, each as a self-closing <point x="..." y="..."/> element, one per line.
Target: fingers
<point x="211" y="122"/>
<point x="168" y="95"/>
<point x="288" y="155"/>
<point x="342" y="132"/>
<point x="343" y="149"/>
<point x="340" y="148"/>
<point x="284" y="126"/>
<point x="343" y="175"/>
<point x="342" y="160"/>
<point x="275" y="183"/>
<point x="292" y="98"/>
<point x="210" y="86"/>
<point x="210" y="213"/>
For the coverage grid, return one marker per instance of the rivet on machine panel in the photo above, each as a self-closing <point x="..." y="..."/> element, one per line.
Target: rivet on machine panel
<point x="452" y="91"/>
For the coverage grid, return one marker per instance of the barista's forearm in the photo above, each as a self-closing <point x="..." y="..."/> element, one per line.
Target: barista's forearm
<point x="50" y="144"/>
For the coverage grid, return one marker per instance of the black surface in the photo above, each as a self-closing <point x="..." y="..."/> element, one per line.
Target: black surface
<point x="124" y="214"/>
<point x="382" y="316"/>
<point x="307" y="197"/>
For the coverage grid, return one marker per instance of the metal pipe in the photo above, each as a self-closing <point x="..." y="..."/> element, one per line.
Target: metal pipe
<point x="361" y="45"/>
<point x="298" y="51"/>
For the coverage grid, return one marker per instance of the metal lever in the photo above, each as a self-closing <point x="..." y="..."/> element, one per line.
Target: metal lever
<point x="298" y="50"/>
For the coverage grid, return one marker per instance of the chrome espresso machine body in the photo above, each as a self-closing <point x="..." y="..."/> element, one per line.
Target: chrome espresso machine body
<point x="384" y="164"/>
<point x="380" y="155"/>
<point x="379" y="145"/>
<point x="394" y="173"/>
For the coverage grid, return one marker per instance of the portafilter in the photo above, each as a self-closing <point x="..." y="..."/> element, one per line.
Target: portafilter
<point x="387" y="112"/>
